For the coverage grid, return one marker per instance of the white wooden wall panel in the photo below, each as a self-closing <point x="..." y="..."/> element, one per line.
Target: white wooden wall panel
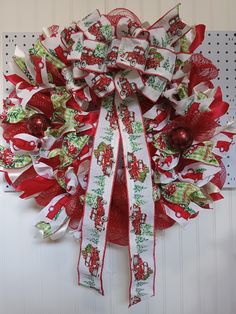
<point x="195" y="266"/>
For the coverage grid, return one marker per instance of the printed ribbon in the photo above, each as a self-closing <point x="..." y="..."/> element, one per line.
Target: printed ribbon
<point x="117" y="60"/>
<point x="98" y="198"/>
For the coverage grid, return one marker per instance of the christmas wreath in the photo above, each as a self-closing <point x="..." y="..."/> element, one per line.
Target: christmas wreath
<point x="114" y="129"/>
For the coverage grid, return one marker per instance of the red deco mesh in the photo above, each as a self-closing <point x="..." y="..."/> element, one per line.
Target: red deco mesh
<point x="114" y="19"/>
<point x="115" y="15"/>
<point x="46" y="196"/>
<point x="118" y="219"/>
<point x="10" y="130"/>
<point x="43" y="103"/>
<point x="203" y="67"/>
<point x="201" y="125"/>
<point x="26" y="175"/>
<point x="202" y="70"/>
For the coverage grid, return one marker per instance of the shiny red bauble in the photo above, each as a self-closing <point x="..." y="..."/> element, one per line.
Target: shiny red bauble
<point x="37" y="124"/>
<point x="180" y="139"/>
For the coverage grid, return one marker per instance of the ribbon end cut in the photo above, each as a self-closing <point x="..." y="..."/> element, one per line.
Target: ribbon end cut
<point x="135" y="300"/>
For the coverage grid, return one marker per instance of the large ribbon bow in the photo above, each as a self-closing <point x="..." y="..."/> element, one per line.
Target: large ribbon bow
<point x="118" y="59"/>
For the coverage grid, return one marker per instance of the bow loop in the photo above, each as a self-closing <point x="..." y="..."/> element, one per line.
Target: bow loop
<point x="105" y="44"/>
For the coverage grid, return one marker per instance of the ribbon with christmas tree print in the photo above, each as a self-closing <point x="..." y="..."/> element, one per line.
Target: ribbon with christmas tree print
<point x="98" y="198"/>
<point x="138" y="175"/>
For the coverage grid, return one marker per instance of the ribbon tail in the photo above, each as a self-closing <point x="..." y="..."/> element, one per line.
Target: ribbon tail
<point x="98" y="197"/>
<point x="141" y="205"/>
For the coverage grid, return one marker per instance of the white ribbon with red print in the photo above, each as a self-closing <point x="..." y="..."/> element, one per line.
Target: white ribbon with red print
<point x="145" y="62"/>
<point x="140" y="197"/>
<point x="99" y="193"/>
<point x="98" y="198"/>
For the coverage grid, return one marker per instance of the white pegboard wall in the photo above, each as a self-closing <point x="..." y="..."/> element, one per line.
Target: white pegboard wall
<point x="218" y="46"/>
<point x="10" y="40"/>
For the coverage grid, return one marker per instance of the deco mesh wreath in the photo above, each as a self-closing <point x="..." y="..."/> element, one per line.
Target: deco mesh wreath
<point x="115" y="130"/>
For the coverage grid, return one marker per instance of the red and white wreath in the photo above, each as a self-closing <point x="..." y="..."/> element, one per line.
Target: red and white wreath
<point x="114" y="129"/>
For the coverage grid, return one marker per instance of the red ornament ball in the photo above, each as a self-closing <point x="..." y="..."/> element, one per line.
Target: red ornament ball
<point x="180" y="138"/>
<point x="37" y="124"/>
